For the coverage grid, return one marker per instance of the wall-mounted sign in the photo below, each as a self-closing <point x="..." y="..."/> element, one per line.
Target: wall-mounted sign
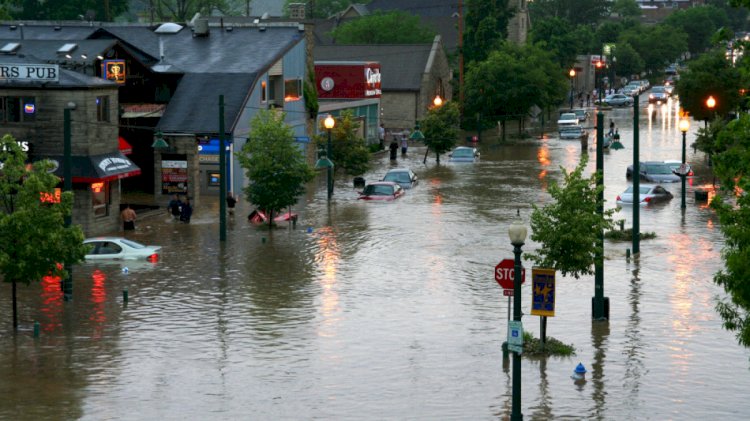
<point x="50" y="197"/>
<point x="30" y="72"/>
<point x="114" y="70"/>
<point x="174" y="177"/>
<point x="348" y="80"/>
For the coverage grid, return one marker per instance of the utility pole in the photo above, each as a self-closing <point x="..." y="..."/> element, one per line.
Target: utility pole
<point x="223" y="177"/>
<point x="461" y="55"/>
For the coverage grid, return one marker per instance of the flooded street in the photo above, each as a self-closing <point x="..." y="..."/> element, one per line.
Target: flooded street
<point x="388" y="310"/>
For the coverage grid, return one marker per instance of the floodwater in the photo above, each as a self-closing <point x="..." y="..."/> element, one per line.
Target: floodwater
<point x="388" y="310"/>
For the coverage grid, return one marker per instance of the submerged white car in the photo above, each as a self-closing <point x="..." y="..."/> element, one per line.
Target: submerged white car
<point x="118" y="248"/>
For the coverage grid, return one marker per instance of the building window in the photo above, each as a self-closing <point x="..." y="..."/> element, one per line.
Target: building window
<point x="263" y="92"/>
<point x="14" y="109"/>
<point x="292" y="90"/>
<point x="102" y="108"/>
<point x="100" y="198"/>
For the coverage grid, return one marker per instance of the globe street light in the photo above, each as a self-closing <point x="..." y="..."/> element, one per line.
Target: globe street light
<point x="684" y="127"/>
<point x="710" y="103"/>
<point x="517" y="234"/>
<point x="437" y="101"/>
<point x="329" y="123"/>
<point x="572" y="74"/>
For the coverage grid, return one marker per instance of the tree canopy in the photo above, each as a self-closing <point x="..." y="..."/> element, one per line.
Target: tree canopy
<point x="348" y="150"/>
<point x="568" y="228"/>
<point x="322" y="8"/>
<point x="486" y="27"/>
<point x="274" y="165"/>
<point x="34" y="241"/>
<point x="711" y="74"/>
<point x="582" y="12"/>
<point x="380" y="28"/>
<point x="67" y="9"/>
<point x="440" y="128"/>
<point x="699" y="23"/>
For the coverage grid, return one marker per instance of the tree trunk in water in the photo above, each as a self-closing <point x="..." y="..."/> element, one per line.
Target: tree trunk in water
<point x="437" y="156"/>
<point x="424" y="161"/>
<point x="270" y="219"/>
<point x="15" y="308"/>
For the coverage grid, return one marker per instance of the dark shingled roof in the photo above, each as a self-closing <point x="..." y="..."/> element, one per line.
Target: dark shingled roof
<point x="401" y="66"/>
<point x="45" y="51"/>
<point x="194" y="108"/>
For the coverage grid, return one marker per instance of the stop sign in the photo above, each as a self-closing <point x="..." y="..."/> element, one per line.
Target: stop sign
<point x="504" y="273"/>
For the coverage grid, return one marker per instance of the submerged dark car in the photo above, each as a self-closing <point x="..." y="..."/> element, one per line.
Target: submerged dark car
<point x="464" y="154"/>
<point x="655" y="172"/>
<point x="403" y="176"/>
<point x="382" y="190"/>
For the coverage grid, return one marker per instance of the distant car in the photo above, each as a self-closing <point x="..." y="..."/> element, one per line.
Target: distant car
<point x="567" y="119"/>
<point x="581" y="113"/>
<point x="658" y="95"/>
<point x="630" y="90"/>
<point x="464" y="154"/>
<point x="675" y="166"/>
<point x="403" y="176"/>
<point x="655" y="172"/>
<point x="382" y="190"/>
<point x="573" y="133"/>
<point x="648" y="193"/>
<point x="618" y="100"/>
<point x="118" y="248"/>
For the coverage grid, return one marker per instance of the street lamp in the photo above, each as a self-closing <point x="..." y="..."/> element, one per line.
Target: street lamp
<point x="710" y="103"/>
<point x="517" y="234"/>
<point x="67" y="284"/>
<point x="437" y="101"/>
<point x="329" y="122"/>
<point x="684" y="127"/>
<point x="572" y="74"/>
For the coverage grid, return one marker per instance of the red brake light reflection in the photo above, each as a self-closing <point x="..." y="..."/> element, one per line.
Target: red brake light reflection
<point x="153" y="258"/>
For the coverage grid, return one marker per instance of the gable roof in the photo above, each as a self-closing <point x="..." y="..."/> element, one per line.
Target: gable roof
<point x="45" y="51"/>
<point x="401" y="66"/>
<point x="416" y="7"/>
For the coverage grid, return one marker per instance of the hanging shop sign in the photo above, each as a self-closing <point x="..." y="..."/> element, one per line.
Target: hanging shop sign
<point x="174" y="177"/>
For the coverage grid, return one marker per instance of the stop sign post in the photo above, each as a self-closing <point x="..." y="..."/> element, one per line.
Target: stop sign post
<point x="504" y="274"/>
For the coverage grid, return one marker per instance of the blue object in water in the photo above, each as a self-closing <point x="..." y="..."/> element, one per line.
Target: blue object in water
<point x="125" y="270"/>
<point x="580" y="369"/>
<point x="309" y="229"/>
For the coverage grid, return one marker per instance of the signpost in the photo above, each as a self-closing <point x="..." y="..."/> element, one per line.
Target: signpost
<point x="504" y="276"/>
<point x="543" y="298"/>
<point x="515" y="336"/>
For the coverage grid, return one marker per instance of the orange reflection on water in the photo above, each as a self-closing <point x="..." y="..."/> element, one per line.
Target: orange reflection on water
<point x="542" y="155"/>
<point x="437" y="198"/>
<point x="51" y="303"/>
<point x="328" y="257"/>
<point x="98" y="298"/>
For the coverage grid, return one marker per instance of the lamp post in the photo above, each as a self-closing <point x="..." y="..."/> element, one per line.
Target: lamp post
<point x="517" y="234"/>
<point x="710" y="103"/>
<point x="438" y="101"/>
<point x="598" y="77"/>
<point x="684" y="127"/>
<point x="329" y="124"/>
<point x="572" y="74"/>
<point x="67" y="285"/>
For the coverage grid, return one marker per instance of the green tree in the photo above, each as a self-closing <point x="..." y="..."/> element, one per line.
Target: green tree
<point x="34" y="240"/>
<point x="626" y="8"/>
<point x="711" y="74"/>
<point x="699" y="23"/>
<point x="559" y="36"/>
<point x="629" y="63"/>
<point x="568" y="228"/>
<point x="486" y="27"/>
<point x="440" y="128"/>
<point x="348" y="149"/>
<point x="657" y="45"/>
<point x="512" y="80"/>
<point x="732" y="166"/>
<point x="69" y="10"/>
<point x="581" y="12"/>
<point x="378" y="28"/>
<point x="322" y="9"/>
<point x="184" y="10"/>
<point x="273" y="164"/>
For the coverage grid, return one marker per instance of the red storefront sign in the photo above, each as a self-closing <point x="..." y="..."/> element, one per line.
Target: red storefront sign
<point x="349" y="80"/>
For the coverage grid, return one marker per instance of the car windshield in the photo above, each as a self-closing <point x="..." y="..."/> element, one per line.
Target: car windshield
<point x="378" y="190"/>
<point x="658" y="169"/>
<point x="132" y="244"/>
<point x="657" y="89"/>
<point x="568" y="116"/>
<point x="398" y="177"/>
<point x="463" y="153"/>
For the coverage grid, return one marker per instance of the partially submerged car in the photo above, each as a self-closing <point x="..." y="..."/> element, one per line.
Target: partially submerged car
<point x="648" y="194"/>
<point x="403" y="176"/>
<point x="382" y="190"/>
<point x="464" y="154"/>
<point x="119" y="248"/>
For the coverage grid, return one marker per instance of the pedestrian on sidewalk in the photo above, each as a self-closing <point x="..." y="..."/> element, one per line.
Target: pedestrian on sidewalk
<point x="128" y="218"/>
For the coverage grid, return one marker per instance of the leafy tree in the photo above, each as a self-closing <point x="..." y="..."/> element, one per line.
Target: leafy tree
<point x="628" y="61"/>
<point x="440" y="128"/>
<point x="310" y="93"/>
<point x="511" y="81"/>
<point x="184" y="10"/>
<point x="34" y="240"/>
<point x="378" y="28"/>
<point x="657" y="45"/>
<point x="710" y="74"/>
<point x="737" y="15"/>
<point x="699" y="23"/>
<point x="69" y="10"/>
<point x="568" y="228"/>
<point x="582" y="12"/>
<point x="348" y="149"/>
<point x="322" y="9"/>
<point x="557" y="35"/>
<point x="276" y="168"/>
<point x="732" y="166"/>
<point x="626" y="8"/>
<point x="486" y="27"/>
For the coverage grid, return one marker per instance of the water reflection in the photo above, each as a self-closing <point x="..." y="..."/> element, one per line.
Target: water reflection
<point x="600" y="342"/>
<point x="633" y="347"/>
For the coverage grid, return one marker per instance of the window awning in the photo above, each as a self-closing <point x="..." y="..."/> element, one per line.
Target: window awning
<point x="125" y="147"/>
<point x="89" y="169"/>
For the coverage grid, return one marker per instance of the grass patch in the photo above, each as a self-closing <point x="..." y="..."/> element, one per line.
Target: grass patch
<point x="534" y="346"/>
<point x="627" y="235"/>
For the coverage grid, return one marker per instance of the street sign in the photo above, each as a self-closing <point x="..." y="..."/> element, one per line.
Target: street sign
<point x="507" y="292"/>
<point x="683" y="170"/>
<point x="515" y="336"/>
<point x="504" y="273"/>
<point x="543" y="292"/>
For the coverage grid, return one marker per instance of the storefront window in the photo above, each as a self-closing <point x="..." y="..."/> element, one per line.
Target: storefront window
<point x="263" y="92"/>
<point x="100" y="198"/>
<point x="102" y="108"/>
<point x="15" y="109"/>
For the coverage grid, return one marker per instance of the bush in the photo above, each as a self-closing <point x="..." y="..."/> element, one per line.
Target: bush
<point x="534" y="346"/>
<point x="627" y="235"/>
<point x="374" y="147"/>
